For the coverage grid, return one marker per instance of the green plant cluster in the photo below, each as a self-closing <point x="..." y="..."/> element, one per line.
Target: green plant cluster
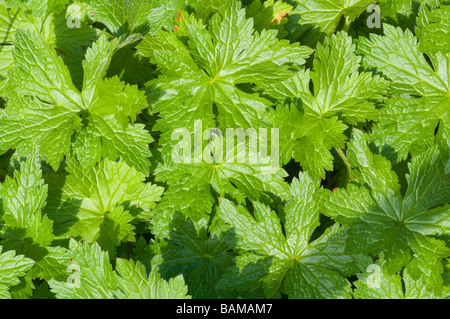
<point x="93" y="203"/>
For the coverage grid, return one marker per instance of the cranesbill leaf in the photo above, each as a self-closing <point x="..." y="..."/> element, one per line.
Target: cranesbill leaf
<point x="106" y="108"/>
<point x="24" y="226"/>
<point x="380" y="219"/>
<point x="401" y="13"/>
<point x="136" y="284"/>
<point x="65" y="30"/>
<point x="308" y="139"/>
<point x="407" y="123"/>
<point x="270" y="15"/>
<point x="312" y="20"/>
<point x="131" y="143"/>
<point x="90" y="275"/>
<point x="193" y="186"/>
<point x="58" y="31"/>
<point x="433" y="29"/>
<point x="42" y="8"/>
<point x="28" y="122"/>
<point x="338" y="86"/>
<point x="100" y="203"/>
<point x="199" y="83"/>
<point x="12" y="267"/>
<point x="200" y="257"/>
<point x="24" y="197"/>
<point x="11" y="19"/>
<point x="121" y="16"/>
<point x="375" y="282"/>
<point x="340" y="95"/>
<point x="206" y="71"/>
<point x="41" y="73"/>
<point x="162" y="15"/>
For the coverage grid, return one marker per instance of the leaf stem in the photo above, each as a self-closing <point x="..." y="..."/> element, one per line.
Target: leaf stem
<point x="43" y="22"/>
<point x="346" y="25"/>
<point x="347" y="165"/>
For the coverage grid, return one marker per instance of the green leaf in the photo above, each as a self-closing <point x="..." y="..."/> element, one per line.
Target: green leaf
<point x="24" y="197"/>
<point x="380" y="219"/>
<point x="59" y="33"/>
<point x="433" y="30"/>
<point x="131" y="144"/>
<point x="42" y="8"/>
<point x="136" y="284"/>
<point x="298" y="266"/>
<point x="313" y="20"/>
<point x="11" y="19"/>
<point x="40" y="72"/>
<point x="401" y="13"/>
<point x="100" y="203"/>
<point x="121" y="16"/>
<point x="340" y="94"/>
<point x="24" y="290"/>
<point x="408" y="122"/>
<point x="162" y="15"/>
<point x="12" y="267"/>
<point x="150" y="149"/>
<point x="377" y="283"/>
<point x="50" y="20"/>
<point x="202" y="78"/>
<point x="90" y="274"/>
<point x="28" y="122"/>
<point x="201" y="258"/>
<point x="269" y="15"/>
<point x="308" y="139"/>
<point x="56" y="110"/>
<point x="193" y="186"/>
<point x="26" y="229"/>
<point x="211" y="65"/>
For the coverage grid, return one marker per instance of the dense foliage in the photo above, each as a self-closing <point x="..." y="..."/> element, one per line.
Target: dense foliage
<point x="354" y="98"/>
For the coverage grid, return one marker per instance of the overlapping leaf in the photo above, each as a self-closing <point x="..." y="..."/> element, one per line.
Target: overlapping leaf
<point x="375" y="282"/>
<point x="199" y="83"/>
<point x="433" y="29"/>
<point x="205" y="72"/>
<point x="91" y="276"/>
<point x="201" y="258"/>
<point x="46" y="109"/>
<point x="288" y="260"/>
<point x="100" y="203"/>
<point x="12" y="267"/>
<point x="402" y="226"/>
<point x="420" y="92"/>
<point x="341" y="95"/>
<point x="313" y="20"/>
<point x="24" y="226"/>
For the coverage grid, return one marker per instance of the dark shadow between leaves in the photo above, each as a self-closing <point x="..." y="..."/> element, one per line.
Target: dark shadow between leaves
<point x="15" y="239"/>
<point x="201" y="256"/>
<point x="62" y="211"/>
